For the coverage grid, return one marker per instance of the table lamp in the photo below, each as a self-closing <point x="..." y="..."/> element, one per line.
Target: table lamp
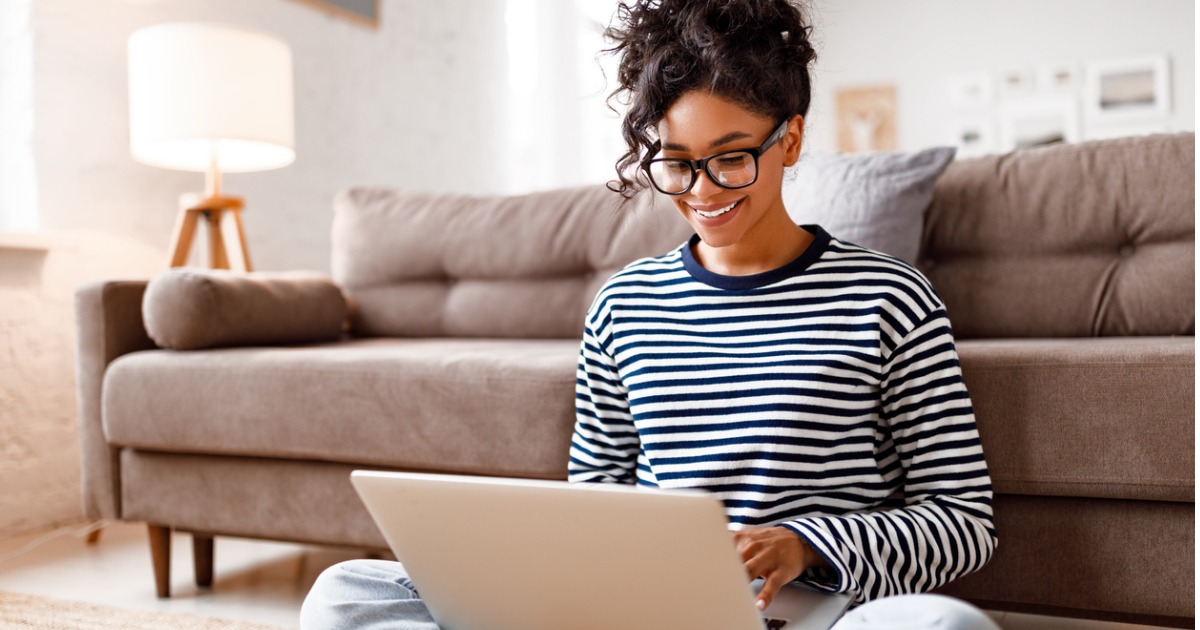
<point x="211" y="98"/>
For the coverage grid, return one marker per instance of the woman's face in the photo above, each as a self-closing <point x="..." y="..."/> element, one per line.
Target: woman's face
<point x="700" y="124"/>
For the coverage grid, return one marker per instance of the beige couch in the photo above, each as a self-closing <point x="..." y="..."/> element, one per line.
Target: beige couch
<point x="1067" y="273"/>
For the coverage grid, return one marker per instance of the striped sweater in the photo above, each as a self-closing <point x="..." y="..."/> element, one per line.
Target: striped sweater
<point x="824" y="396"/>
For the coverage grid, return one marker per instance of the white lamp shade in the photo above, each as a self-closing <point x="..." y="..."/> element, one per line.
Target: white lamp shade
<point x="199" y="92"/>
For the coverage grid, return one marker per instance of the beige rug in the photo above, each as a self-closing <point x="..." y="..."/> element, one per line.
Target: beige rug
<point x="31" y="612"/>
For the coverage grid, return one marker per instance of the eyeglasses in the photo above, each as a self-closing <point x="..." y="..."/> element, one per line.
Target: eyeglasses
<point x="729" y="169"/>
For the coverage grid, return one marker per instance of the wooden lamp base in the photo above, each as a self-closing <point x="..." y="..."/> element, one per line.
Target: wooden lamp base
<point x="226" y="235"/>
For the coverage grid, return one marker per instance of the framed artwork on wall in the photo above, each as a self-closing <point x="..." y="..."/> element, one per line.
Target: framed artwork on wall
<point x="1039" y="121"/>
<point x="364" y="12"/>
<point x="866" y="119"/>
<point x="1062" y="77"/>
<point x="969" y="90"/>
<point x="1135" y="88"/>
<point x="973" y="136"/>
<point x="1015" y="82"/>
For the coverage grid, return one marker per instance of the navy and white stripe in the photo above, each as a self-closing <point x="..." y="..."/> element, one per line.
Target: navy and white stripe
<point x="825" y="396"/>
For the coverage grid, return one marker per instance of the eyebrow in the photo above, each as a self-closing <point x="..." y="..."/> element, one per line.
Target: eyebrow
<point x="725" y="139"/>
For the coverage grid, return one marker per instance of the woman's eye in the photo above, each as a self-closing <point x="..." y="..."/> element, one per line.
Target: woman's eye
<point x="732" y="161"/>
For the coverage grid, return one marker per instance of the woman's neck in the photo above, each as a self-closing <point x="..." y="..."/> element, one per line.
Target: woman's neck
<point x="774" y="242"/>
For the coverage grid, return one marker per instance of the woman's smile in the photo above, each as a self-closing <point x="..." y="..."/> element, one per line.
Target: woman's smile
<point x="712" y="215"/>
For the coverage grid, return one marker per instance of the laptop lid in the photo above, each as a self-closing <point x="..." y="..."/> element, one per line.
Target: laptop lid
<point x="509" y="554"/>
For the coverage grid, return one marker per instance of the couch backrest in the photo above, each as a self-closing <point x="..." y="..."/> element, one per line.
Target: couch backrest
<point x="519" y="267"/>
<point x="1091" y="239"/>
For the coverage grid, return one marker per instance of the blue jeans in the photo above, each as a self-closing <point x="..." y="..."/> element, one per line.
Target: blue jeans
<point x="377" y="595"/>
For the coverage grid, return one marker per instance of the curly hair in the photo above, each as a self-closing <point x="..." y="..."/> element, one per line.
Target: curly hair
<point x="755" y="53"/>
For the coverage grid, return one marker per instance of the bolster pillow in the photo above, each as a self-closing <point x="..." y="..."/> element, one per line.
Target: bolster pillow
<point x="188" y="309"/>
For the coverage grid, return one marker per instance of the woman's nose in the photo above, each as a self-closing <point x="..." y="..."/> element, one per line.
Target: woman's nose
<point x="704" y="187"/>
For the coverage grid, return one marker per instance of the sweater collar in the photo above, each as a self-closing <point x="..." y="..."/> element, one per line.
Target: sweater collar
<point x="811" y="254"/>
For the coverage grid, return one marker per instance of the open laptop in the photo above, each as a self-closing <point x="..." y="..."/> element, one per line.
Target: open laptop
<point x="511" y="554"/>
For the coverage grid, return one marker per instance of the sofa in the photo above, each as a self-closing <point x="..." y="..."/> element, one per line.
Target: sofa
<point x="1067" y="272"/>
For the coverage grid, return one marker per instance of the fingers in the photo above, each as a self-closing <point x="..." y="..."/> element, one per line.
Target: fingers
<point x="775" y="554"/>
<point x="771" y="585"/>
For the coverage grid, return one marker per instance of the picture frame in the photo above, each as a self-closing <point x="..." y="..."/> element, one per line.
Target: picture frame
<point x="1128" y="89"/>
<point x="1107" y="132"/>
<point x="362" y="12"/>
<point x="1057" y="77"/>
<point x="866" y="118"/>
<point x="1015" y="82"/>
<point x="1039" y="121"/>
<point x="972" y="136"/>
<point x="969" y="90"/>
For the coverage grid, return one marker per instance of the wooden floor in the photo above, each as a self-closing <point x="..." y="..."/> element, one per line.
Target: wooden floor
<point x="255" y="581"/>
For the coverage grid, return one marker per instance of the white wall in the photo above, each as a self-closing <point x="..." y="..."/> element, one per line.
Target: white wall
<point x="17" y="175"/>
<point x="916" y="44"/>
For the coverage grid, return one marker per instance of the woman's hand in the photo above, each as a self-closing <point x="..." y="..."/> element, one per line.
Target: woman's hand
<point x="777" y="555"/>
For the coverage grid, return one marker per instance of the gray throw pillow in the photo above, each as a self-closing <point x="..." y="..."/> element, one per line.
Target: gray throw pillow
<point x="876" y="200"/>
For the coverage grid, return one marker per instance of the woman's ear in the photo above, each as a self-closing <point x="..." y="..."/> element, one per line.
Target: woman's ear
<point x="793" y="138"/>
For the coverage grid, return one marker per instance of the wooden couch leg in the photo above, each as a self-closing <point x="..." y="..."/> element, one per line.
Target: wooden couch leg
<point x="160" y="553"/>
<point x="202" y="558"/>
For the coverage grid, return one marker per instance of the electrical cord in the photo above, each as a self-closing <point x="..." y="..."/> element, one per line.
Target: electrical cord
<point x="80" y="532"/>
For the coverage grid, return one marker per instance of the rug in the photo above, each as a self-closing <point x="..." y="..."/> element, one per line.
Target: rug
<point x="32" y="612"/>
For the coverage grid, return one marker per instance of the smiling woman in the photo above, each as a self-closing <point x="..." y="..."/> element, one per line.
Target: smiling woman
<point x="810" y="383"/>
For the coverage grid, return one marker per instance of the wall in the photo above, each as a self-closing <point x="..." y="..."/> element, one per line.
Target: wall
<point x="916" y="44"/>
<point x="17" y="176"/>
<point x="417" y="104"/>
<point x="39" y="447"/>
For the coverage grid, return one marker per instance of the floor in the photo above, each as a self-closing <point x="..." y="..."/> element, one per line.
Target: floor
<point x="255" y="581"/>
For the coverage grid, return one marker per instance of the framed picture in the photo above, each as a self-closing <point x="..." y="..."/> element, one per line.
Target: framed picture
<point x="1057" y="78"/>
<point x="1105" y="132"/>
<point x="1135" y="88"/>
<point x="364" y="12"/>
<point x="969" y="90"/>
<point x="1015" y="82"/>
<point x="866" y="119"/>
<point x="973" y="136"/>
<point x="1039" y="121"/>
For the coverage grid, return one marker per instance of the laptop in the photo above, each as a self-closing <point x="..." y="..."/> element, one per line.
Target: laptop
<point x="491" y="553"/>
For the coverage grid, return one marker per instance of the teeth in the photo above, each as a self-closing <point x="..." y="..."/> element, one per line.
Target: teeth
<point x="717" y="213"/>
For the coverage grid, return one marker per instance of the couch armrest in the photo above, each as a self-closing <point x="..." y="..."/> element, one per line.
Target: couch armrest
<point x="108" y="324"/>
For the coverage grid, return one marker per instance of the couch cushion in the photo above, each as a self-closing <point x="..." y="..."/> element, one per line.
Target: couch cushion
<point x="1080" y="240"/>
<point x="1105" y="418"/>
<point x="527" y="266"/>
<point x="188" y="308"/>
<point x="473" y="406"/>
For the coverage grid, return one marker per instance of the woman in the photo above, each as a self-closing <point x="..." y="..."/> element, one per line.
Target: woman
<point x="811" y="384"/>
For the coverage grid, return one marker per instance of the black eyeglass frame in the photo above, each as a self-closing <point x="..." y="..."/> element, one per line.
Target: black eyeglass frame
<point x="702" y="163"/>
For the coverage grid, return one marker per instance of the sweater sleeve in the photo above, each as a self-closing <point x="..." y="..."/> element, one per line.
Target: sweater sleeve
<point x="943" y="528"/>
<point x="605" y="445"/>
